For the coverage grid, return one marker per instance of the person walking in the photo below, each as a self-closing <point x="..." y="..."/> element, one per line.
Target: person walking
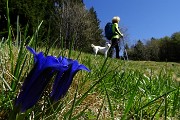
<point x="115" y="39"/>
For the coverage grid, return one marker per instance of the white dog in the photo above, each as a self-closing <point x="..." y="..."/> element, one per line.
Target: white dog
<point x="103" y="50"/>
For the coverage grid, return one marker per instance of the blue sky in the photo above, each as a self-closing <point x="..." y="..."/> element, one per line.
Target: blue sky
<point x="143" y="19"/>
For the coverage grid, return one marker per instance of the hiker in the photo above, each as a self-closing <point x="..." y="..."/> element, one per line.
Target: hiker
<point x="116" y="36"/>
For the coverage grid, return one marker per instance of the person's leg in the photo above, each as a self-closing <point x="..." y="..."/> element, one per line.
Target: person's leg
<point x="116" y="46"/>
<point x="112" y="47"/>
<point x="117" y="50"/>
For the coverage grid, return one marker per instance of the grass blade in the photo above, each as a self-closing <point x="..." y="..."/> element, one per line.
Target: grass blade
<point x="109" y="102"/>
<point x="73" y="105"/>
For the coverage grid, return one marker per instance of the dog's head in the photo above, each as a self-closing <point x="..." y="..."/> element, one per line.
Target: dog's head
<point x="108" y="45"/>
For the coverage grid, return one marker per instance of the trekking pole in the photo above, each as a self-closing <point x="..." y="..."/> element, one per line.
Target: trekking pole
<point x="125" y="51"/>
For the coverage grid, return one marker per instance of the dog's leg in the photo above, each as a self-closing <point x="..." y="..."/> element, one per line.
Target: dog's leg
<point x="95" y="52"/>
<point x="105" y="54"/>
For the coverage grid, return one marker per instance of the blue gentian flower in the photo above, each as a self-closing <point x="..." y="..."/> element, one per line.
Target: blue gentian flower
<point x="44" y="69"/>
<point x="37" y="79"/>
<point x="64" y="79"/>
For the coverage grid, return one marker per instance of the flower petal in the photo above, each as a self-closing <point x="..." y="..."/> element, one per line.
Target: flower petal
<point x="42" y="72"/>
<point x="31" y="50"/>
<point x="37" y="80"/>
<point x="30" y="95"/>
<point x="62" y="83"/>
<point x="37" y="56"/>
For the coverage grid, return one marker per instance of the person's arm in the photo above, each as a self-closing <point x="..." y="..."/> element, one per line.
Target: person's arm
<point x="117" y="30"/>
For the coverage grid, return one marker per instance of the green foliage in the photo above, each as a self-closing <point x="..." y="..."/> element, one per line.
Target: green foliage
<point x="65" y="22"/>
<point x="163" y="49"/>
<point x="119" y="89"/>
<point x="152" y="50"/>
<point x="137" y="52"/>
<point x="72" y="22"/>
<point x="30" y="12"/>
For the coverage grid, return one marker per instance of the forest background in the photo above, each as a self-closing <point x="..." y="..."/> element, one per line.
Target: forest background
<point x="68" y="24"/>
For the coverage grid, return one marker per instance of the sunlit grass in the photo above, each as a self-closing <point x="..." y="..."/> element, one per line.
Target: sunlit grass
<point x="116" y="88"/>
<point x="113" y="89"/>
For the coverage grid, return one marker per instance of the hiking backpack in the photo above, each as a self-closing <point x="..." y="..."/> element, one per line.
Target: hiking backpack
<point x="108" y="30"/>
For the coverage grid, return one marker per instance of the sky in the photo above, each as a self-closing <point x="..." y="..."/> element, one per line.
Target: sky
<point x="143" y="19"/>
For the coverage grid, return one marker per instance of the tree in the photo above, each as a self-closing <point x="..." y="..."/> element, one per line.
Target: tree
<point x="164" y="46"/>
<point x="175" y="50"/>
<point x="66" y="22"/>
<point x="30" y="12"/>
<point x="139" y="49"/>
<point x="76" y="26"/>
<point x="152" y="50"/>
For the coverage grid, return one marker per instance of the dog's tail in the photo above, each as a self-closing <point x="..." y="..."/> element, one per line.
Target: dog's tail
<point x="92" y="45"/>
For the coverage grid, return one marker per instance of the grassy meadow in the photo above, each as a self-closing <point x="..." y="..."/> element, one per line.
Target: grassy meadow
<point x="114" y="89"/>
